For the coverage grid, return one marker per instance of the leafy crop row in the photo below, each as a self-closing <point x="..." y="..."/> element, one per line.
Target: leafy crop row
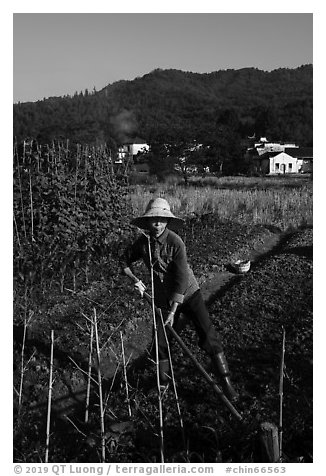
<point x="68" y="208"/>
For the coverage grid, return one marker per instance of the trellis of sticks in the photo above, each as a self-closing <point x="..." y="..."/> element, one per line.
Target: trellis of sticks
<point x="49" y="181"/>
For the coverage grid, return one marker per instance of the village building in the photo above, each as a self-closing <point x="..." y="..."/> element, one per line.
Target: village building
<point x="273" y="158"/>
<point x="130" y="149"/>
<point x="131" y="154"/>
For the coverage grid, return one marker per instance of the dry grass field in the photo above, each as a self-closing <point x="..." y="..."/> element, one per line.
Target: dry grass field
<point x="284" y="202"/>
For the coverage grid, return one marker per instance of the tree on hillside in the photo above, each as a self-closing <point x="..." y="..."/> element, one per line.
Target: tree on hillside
<point x="225" y="153"/>
<point x="189" y="157"/>
<point x="159" y="160"/>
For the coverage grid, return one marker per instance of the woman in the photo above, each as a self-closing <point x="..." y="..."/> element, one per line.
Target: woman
<point x="176" y="289"/>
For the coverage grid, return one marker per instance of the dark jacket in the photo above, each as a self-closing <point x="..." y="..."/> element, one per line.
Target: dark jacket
<point x="174" y="280"/>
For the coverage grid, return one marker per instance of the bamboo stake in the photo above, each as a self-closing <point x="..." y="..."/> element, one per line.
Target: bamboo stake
<point x="76" y="179"/>
<point x="22" y="370"/>
<point x="31" y="202"/>
<point x="23" y="367"/>
<point x="21" y="194"/>
<point x="74" y="277"/>
<point x="111" y="335"/>
<point x="99" y="376"/>
<point x="38" y="155"/>
<point x="17" y="232"/>
<point x="48" y="422"/>
<point x="85" y="173"/>
<point x="173" y="382"/>
<point x="24" y="152"/>
<point x="83" y="371"/>
<point x="111" y="386"/>
<point x="125" y="374"/>
<point x="89" y="373"/>
<point x="22" y="375"/>
<point x="156" y="355"/>
<point x="55" y="159"/>
<point x="73" y="424"/>
<point x="281" y="397"/>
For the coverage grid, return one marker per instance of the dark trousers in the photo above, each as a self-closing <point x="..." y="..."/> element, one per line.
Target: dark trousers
<point x="194" y="309"/>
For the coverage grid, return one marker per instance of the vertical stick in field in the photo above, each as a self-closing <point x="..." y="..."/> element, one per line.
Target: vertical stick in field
<point x="17" y="232"/>
<point x="125" y="373"/>
<point x="156" y="355"/>
<point x="281" y="396"/>
<point x="89" y="372"/>
<point x="76" y="180"/>
<point x="31" y="203"/>
<point x="99" y="377"/>
<point x="48" y="421"/>
<point x="21" y="194"/>
<point x="174" y="384"/>
<point x="23" y="366"/>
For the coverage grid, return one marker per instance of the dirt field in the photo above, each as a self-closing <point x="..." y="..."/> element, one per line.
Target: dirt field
<point x="250" y="311"/>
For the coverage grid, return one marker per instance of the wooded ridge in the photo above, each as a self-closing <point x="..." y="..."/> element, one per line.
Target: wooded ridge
<point x="167" y="105"/>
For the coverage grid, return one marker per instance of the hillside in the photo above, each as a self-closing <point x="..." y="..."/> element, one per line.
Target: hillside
<point x="173" y="104"/>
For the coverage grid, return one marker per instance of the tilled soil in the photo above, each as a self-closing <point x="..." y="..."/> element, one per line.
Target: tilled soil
<point x="250" y="311"/>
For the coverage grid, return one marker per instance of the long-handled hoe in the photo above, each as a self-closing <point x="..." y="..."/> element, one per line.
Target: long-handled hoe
<point x="207" y="377"/>
<point x="270" y="438"/>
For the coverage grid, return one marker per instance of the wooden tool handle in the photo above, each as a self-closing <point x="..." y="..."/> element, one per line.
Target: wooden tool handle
<point x="131" y="275"/>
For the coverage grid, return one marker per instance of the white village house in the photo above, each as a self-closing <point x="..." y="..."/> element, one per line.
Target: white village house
<point x="273" y="158"/>
<point x="130" y="149"/>
<point x="131" y="152"/>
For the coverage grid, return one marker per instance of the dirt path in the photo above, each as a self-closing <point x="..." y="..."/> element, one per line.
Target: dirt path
<point x="216" y="282"/>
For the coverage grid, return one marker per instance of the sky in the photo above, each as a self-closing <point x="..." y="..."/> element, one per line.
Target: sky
<point x="56" y="54"/>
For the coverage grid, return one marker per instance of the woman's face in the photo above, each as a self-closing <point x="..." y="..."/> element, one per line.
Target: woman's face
<point x="157" y="225"/>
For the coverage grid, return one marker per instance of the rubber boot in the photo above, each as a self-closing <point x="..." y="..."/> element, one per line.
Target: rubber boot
<point x="221" y="368"/>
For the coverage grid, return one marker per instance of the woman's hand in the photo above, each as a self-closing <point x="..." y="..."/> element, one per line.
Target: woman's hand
<point x="140" y="287"/>
<point x="170" y="319"/>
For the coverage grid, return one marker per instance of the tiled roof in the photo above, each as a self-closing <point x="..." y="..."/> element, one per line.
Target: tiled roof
<point x="268" y="154"/>
<point x="275" y="152"/>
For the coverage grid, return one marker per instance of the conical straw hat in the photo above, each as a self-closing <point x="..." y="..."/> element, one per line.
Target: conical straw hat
<point x="157" y="207"/>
